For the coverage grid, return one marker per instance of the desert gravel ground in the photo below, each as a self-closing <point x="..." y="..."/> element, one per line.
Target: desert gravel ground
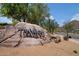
<point x="65" y="48"/>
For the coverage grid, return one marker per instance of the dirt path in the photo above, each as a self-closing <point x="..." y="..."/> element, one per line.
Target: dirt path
<point x="50" y="49"/>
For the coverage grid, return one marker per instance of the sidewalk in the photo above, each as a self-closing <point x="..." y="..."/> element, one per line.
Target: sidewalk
<point x="71" y="39"/>
<point x="75" y="41"/>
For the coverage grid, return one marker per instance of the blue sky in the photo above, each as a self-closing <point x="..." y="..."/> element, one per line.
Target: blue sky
<point x="63" y="12"/>
<point x="60" y="11"/>
<point x="5" y="20"/>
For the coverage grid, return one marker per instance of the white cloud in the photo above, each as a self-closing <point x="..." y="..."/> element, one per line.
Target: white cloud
<point x="75" y="17"/>
<point x="46" y="18"/>
<point x="51" y="17"/>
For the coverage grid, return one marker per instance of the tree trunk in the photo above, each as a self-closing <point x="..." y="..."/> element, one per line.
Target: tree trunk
<point x="67" y="34"/>
<point x="67" y="37"/>
<point x="24" y="20"/>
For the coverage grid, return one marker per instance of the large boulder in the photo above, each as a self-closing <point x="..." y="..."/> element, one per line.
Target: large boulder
<point x="39" y="34"/>
<point x="24" y="25"/>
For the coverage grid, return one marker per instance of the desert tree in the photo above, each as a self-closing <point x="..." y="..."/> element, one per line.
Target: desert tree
<point x="50" y="25"/>
<point x="32" y="13"/>
<point x="37" y="13"/>
<point x="68" y="27"/>
<point x="14" y="11"/>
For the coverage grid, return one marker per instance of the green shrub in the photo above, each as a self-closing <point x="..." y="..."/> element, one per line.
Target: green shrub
<point x="3" y="24"/>
<point x="76" y="31"/>
<point x="14" y="23"/>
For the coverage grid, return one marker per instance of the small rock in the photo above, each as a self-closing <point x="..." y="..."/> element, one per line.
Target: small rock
<point x="75" y="51"/>
<point x="58" y="39"/>
<point x="65" y="38"/>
